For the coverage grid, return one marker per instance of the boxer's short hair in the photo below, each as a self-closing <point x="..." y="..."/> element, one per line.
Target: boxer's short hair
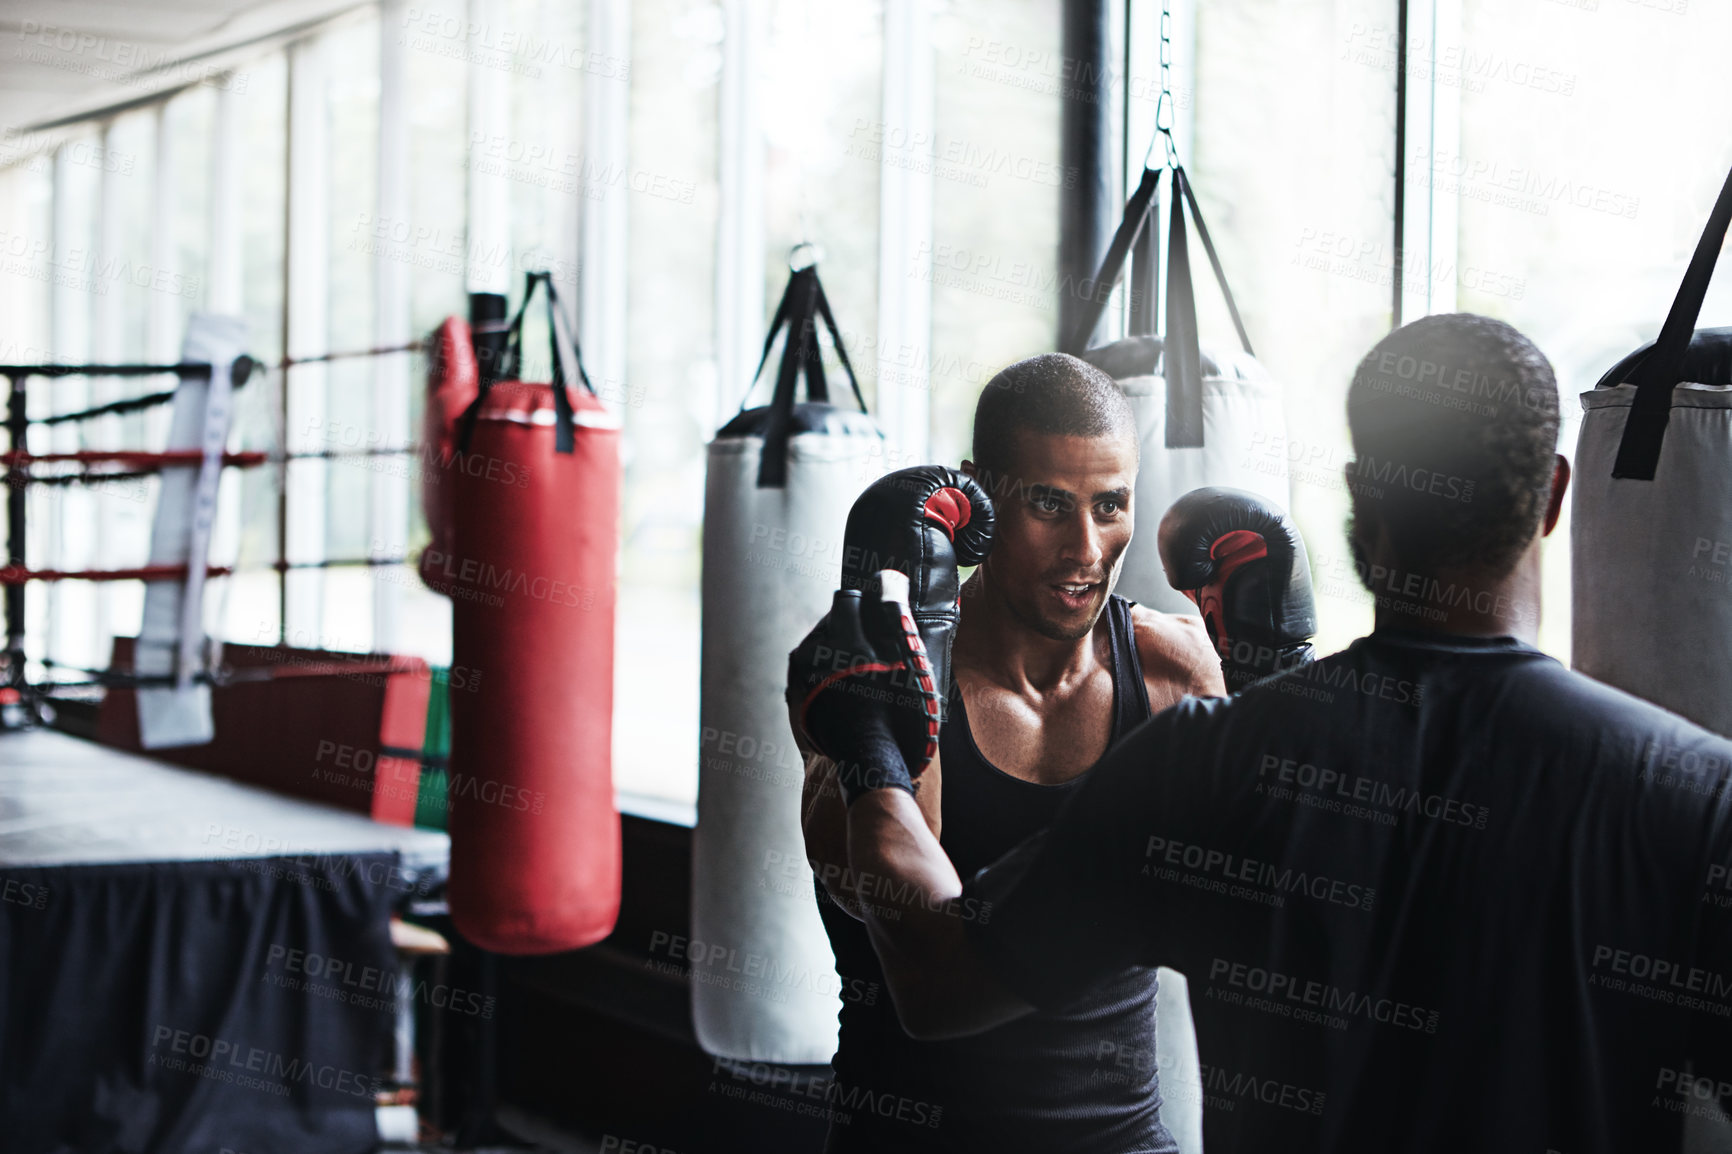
<point x="1053" y="393"/>
<point x="1454" y="420"/>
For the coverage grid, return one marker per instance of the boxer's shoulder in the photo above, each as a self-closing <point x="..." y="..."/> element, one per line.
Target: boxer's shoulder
<point x="1177" y="656"/>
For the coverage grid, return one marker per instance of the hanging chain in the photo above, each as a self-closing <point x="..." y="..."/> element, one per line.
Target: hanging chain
<point x="1164" y="108"/>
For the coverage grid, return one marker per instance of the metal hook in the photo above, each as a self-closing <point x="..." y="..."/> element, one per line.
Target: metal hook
<point x="813" y="252"/>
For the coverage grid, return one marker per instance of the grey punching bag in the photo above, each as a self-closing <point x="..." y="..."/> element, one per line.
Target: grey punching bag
<point x="1205" y="417"/>
<point x="1651" y="528"/>
<point x="781" y="479"/>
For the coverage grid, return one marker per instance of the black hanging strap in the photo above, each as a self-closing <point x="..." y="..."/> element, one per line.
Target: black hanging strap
<point x="1645" y="427"/>
<point x="1145" y="280"/>
<point x="1182" y="358"/>
<point x="1113" y="264"/>
<point x="803" y="304"/>
<point x="823" y="303"/>
<point x="1183" y="182"/>
<point x="776" y="323"/>
<point x="566" y="357"/>
<point x="1181" y="352"/>
<point x="797" y="323"/>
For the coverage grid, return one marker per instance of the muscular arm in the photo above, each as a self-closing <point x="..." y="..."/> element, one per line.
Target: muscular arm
<point x="824" y="821"/>
<point x="1063" y="911"/>
<point x="1177" y="656"/>
<point x="918" y="920"/>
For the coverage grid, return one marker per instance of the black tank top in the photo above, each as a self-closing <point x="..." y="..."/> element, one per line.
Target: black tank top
<point x="1081" y="1079"/>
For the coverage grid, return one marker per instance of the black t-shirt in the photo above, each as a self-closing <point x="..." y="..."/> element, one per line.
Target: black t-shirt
<point x="1431" y="892"/>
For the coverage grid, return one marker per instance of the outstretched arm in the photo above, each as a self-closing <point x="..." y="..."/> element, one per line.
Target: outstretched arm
<point x="824" y="821"/>
<point x="918" y="917"/>
<point x="1065" y="910"/>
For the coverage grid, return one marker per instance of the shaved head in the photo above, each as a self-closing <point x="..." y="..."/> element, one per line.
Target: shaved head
<point x="1052" y="394"/>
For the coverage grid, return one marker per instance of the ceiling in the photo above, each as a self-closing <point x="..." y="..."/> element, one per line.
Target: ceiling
<point x="62" y="60"/>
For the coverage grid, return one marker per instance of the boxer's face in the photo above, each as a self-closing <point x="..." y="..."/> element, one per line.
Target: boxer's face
<point x="1064" y="520"/>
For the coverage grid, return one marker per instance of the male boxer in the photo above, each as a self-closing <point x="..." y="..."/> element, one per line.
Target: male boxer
<point x="1434" y="892"/>
<point x="1050" y="669"/>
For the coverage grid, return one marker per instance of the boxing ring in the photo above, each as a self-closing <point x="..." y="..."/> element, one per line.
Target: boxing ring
<point x="189" y="963"/>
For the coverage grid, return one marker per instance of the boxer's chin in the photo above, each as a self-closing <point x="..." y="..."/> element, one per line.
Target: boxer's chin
<point x="1064" y="631"/>
<point x="1066" y="627"/>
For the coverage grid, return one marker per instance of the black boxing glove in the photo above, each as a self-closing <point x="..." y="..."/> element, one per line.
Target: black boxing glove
<point x="861" y="691"/>
<point x="1239" y="558"/>
<point x="926" y="522"/>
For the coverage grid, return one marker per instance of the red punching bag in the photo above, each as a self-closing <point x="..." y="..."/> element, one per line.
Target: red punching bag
<point x="452" y="386"/>
<point x="535" y="846"/>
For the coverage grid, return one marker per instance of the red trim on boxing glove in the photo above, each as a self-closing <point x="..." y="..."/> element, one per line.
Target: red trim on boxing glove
<point x="950" y="509"/>
<point x="916" y="663"/>
<point x="1231" y="552"/>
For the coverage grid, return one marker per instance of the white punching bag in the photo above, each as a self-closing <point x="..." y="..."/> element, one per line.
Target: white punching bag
<point x="1651" y="526"/>
<point x="1204" y="417"/>
<point x="780" y="483"/>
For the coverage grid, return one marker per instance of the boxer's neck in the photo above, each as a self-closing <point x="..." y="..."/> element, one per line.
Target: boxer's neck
<point x="1464" y="600"/>
<point x="994" y="641"/>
